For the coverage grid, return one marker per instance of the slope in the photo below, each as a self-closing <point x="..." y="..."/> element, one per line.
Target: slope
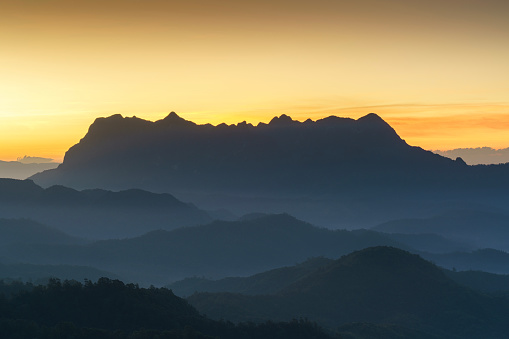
<point x="96" y="213"/>
<point x="378" y="285"/>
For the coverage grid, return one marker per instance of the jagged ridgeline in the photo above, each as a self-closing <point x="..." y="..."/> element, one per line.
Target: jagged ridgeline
<point x="176" y="154"/>
<point x="304" y="168"/>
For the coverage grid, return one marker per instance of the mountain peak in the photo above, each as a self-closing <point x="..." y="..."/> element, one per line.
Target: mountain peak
<point x="282" y="120"/>
<point x="175" y="120"/>
<point x="372" y="118"/>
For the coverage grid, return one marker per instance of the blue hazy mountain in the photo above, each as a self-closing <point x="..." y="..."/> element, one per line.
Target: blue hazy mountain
<point x="96" y="213"/>
<point x="228" y="248"/>
<point x="24" y="167"/>
<point x="480" y="228"/>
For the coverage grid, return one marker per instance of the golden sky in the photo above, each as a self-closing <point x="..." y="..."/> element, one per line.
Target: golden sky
<point x="437" y="71"/>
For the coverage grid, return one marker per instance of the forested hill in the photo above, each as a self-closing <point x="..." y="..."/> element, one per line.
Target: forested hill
<point x="112" y="309"/>
<point x="380" y="285"/>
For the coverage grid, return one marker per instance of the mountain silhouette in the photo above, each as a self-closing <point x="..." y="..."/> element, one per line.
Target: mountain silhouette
<point x="97" y="213"/>
<point x="379" y="285"/>
<point x="178" y="155"/>
<point x="24" y="167"/>
<point x="269" y="282"/>
<point x="477" y="227"/>
<point x="222" y="249"/>
<point x="216" y="250"/>
<point x="335" y="172"/>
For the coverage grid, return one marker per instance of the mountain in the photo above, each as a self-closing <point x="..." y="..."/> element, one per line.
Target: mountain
<point x="23" y="170"/>
<point x="220" y="249"/>
<point x="276" y="280"/>
<point x="111" y="309"/>
<point x="479" y="228"/>
<point x="481" y="281"/>
<point x="96" y="214"/>
<point x="335" y="172"/>
<point x="269" y="282"/>
<point x="29" y="272"/>
<point x="379" y="285"/>
<point x="486" y="259"/>
<point x="16" y="231"/>
<point x="479" y="155"/>
<point x="215" y="250"/>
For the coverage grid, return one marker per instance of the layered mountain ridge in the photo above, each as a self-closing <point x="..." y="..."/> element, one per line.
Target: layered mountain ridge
<point x="334" y="172"/>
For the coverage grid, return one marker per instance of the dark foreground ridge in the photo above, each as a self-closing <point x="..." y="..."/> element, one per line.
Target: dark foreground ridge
<point x="385" y="286"/>
<point x="112" y="309"/>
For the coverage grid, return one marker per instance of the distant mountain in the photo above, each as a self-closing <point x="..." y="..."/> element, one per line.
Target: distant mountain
<point x="335" y="172"/>
<point x="379" y="285"/>
<point x="284" y="155"/>
<point x="486" y="259"/>
<point x="16" y="231"/>
<point x="214" y="250"/>
<point x="476" y="227"/>
<point x="23" y="169"/>
<point x="96" y="214"/>
<point x="481" y="281"/>
<point x="479" y="155"/>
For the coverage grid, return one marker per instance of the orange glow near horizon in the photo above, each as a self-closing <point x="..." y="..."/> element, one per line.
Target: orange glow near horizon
<point x="435" y="70"/>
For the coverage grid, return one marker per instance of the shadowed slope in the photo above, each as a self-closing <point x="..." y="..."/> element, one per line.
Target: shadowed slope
<point x="380" y="285"/>
<point x="96" y="213"/>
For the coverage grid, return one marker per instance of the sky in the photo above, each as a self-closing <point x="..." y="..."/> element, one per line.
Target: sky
<point x="437" y="71"/>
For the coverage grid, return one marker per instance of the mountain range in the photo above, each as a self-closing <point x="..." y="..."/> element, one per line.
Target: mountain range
<point x="96" y="214"/>
<point x="226" y="248"/>
<point x="479" y="155"/>
<point x="22" y="169"/>
<point x="392" y="289"/>
<point x="333" y="172"/>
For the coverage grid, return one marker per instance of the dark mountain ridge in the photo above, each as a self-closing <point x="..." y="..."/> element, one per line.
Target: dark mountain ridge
<point x="380" y="285"/>
<point x="96" y="213"/>
<point x="335" y="172"/>
<point x="178" y="155"/>
<point x="216" y="250"/>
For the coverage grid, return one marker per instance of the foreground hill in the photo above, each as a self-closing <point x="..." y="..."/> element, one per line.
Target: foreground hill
<point x="112" y="309"/>
<point x="96" y="213"/>
<point x="276" y="280"/>
<point x="270" y="282"/>
<point x="336" y="172"/>
<point x="379" y="285"/>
